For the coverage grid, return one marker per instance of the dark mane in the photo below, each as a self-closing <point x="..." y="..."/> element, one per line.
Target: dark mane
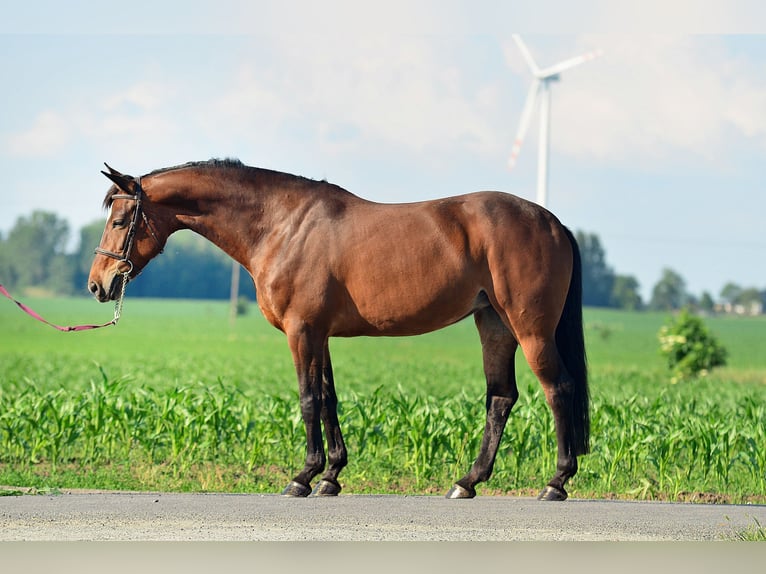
<point x="228" y="164"/>
<point x="236" y="165"/>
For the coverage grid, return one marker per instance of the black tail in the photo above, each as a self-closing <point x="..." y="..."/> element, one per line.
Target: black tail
<point x="570" y="341"/>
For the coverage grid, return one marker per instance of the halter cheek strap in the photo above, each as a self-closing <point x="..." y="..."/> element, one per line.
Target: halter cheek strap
<point x="128" y="245"/>
<point x="127" y="248"/>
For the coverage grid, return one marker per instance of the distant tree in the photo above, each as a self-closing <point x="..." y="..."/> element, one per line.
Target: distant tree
<point x="34" y="253"/>
<point x="82" y="258"/>
<point x="669" y="293"/>
<point x="625" y="293"/>
<point x="730" y="293"/>
<point x="706" y="302"/>
<point x="6" y="273"/>
<point x="750" y="299"/>
<point x="597" y="276"/>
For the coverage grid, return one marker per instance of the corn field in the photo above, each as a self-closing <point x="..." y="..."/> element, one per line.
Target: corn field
<point x="197" y="406"/>
<point x="399" y="441"/>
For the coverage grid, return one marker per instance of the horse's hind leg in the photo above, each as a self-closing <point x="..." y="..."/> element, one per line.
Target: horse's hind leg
<point x="498" y="350"/>
<point x="544" y="360"/>
<point x="336" y="449"/>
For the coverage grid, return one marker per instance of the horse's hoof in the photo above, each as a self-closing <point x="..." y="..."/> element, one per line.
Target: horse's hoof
<point x="458" y="491"/>
<point x="296" y="489"/>
<point x="326" y="488"/>
<point x="552" y="493"/>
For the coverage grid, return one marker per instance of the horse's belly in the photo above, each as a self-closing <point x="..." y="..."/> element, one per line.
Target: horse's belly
<point x="413" y="311"/>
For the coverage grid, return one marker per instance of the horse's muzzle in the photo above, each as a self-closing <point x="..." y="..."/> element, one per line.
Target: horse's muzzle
<point x="103" y="295"/>
<point x="98" y="291"/>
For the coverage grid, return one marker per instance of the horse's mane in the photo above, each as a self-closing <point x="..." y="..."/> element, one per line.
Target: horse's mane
<point x="226" y="163"/>
<point x="234" y="165"/>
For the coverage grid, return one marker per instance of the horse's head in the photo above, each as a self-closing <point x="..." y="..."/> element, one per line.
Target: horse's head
<point x="129" y="241"/>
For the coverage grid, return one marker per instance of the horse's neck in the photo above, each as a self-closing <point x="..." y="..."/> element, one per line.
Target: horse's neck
<point x="231" y="211"/>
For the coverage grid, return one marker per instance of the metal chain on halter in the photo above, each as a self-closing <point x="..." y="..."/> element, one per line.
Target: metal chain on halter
<point x="118" y="303"/>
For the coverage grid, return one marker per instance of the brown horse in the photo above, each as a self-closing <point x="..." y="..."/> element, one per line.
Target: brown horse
<point x="327" y="263"/>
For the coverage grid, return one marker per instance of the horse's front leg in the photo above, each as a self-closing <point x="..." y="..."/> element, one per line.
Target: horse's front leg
<point x="308" y="354"/>
<point x="336" y="449"/>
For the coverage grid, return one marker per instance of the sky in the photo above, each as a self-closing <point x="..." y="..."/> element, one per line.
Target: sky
<point x="658" y="146"/>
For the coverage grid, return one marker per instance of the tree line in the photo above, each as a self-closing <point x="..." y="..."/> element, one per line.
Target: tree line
<point x="602" y="287"/>
<point x="34" y="259"/>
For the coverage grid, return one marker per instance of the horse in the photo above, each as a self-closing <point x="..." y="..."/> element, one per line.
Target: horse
<point x="327" y="263"/>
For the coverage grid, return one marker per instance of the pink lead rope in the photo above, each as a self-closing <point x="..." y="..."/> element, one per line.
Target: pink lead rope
<point x="35" y="315"/>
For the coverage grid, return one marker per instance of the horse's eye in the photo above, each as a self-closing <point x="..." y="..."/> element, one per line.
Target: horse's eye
<point x="118" y="223"/>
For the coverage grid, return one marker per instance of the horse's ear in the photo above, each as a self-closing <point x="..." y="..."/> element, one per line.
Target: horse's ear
<point x="126" y="183"/>
<point x="111" y="169"/>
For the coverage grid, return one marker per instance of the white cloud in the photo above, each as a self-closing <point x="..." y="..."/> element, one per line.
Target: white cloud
<point x="251" y="105"/>
<point x="746" y="107"/>
<point x="139" y="112"/>
<point x="397" y="90"/>
<point x="652" y="97"/>
<point x="142" y="95"/>
<point x="49" y="133"/>
<point x="647" y="99"/>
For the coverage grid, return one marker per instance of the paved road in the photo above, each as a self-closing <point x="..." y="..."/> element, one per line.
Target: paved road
<point x="219" y="517"/>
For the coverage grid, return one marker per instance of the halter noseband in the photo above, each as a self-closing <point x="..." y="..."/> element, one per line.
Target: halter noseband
<point x="124" y="256"/>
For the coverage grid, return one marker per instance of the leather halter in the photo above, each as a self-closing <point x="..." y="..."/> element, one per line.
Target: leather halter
<point x="127" y="248"/>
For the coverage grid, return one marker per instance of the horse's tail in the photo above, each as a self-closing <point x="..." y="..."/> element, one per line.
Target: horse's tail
<point x="570" y="341"/>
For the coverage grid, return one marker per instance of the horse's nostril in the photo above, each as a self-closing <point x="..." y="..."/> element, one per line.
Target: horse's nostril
<point x="93" y="287"/>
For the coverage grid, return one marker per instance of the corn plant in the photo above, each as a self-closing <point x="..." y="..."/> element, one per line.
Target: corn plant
<point x="399" y="440"/>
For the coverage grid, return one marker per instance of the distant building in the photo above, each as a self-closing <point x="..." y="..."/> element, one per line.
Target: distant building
<point x="750" y="309"/>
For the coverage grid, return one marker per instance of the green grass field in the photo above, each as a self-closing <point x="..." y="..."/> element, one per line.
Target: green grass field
<point x="175" y="398"/>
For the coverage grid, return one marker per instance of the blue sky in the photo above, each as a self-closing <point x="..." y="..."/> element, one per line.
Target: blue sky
<point x="658" y="146"/>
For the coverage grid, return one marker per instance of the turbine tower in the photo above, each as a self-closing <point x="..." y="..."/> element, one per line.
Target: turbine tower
<point x="541" y="90"/>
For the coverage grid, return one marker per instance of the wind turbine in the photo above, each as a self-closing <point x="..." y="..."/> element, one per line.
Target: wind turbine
<point x="541" y="89"/>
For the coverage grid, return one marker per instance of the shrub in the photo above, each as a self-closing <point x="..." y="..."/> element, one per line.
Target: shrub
<point x="690" y="348"/>
<point x="243" y="305"/>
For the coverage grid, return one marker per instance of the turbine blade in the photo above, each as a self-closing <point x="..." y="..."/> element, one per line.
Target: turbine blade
<point x="566" y="64"/>
<point x="526" y="114"/>
<point x="525" y="52"/>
